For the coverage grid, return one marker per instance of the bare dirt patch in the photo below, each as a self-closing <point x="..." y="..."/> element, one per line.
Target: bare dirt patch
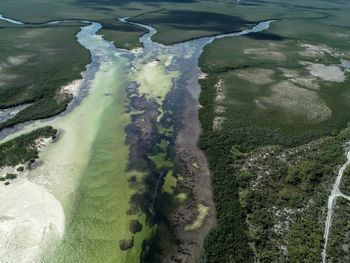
<point x="220" y="94"/>
<point x="220" y="109"/>
<point x="266" y="53"/>
<point x="202" y="75"/>
<point x="256" y="76"/>
<point x="311" y="50"/>
<point x="345" y="63"/>
<point x="307" y="82"/>
<point x="218" y="122"/>
<point x="295" y="77"/>
<point x="18" y="60"/>
<point x="328" y="73"/>
<point x="298" y="101"/>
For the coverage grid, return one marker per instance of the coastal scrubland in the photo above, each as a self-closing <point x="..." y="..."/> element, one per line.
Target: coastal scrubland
<point x="23" y="148"/>
<point x="175" y="21"/>
<point x="36" y="62"/>
<point x="338" y="247"/>
<point x="121" y="34"/>
<point x="275" y="126"/>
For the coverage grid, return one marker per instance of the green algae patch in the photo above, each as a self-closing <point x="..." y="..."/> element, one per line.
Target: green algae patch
<point x="181" y="197"/>
<point x="154" y="79"/>
<point x="163" y="145"/>
<point x="133" y="255"/>
<point x="169" y="183"/>
<point x="198" y="222"/>
<point x="160" y="160"/>
<point x="165" y="131"/>
<point x="195" y="165"/>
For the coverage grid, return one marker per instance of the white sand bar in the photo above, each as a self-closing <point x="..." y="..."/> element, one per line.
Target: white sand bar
<point x="30" y="216"/>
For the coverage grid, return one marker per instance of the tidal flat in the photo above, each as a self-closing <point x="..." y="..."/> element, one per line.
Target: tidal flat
<point x="104" y="168"/>
<point x="124" y="172"/>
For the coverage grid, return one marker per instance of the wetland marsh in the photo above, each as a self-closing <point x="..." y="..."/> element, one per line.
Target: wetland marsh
<point x="155" y="138"/>
<point x="121" y="105"/>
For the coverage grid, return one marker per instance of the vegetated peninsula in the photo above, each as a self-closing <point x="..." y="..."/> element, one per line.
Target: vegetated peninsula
<point x="174" y="131"/>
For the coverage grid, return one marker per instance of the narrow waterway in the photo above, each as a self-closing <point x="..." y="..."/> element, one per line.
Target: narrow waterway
<point x="88" y="171"/>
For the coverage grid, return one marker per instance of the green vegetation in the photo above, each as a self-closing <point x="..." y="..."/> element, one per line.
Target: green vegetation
<point x="345" y="182"/>
<point x="36" y="63"/>
<point x="176" y="20"/>
<point x="23" y="148"/>
<point x="228" y="240"/>
<point x="202" y="211"/>
<point x="283" y="191"/>
<point x="259" y="93"/>
<point x="8" y="177"/>
<point x="339" y="239"/>
<point x="281" y="101"/>
<point x="181" y="197"/>
<point x="169" y="183"/>
<point x="274" y="136"/>
<point x="161" y="161"/>
<point x="189" y="24"/>
<point x="123" y="35"/>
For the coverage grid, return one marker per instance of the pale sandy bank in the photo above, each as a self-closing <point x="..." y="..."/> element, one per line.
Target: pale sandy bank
<point x="30" y="217"/>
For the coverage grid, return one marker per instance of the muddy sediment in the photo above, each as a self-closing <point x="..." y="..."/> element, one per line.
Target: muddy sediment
<point x="196" y="183"/>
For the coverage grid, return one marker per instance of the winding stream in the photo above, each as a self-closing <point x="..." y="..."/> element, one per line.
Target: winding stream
<point x="85" y="174"/>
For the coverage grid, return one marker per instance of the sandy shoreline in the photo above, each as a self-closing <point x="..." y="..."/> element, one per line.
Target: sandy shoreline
<point x="73" y="87"/>
<point x="30" y="216"/>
